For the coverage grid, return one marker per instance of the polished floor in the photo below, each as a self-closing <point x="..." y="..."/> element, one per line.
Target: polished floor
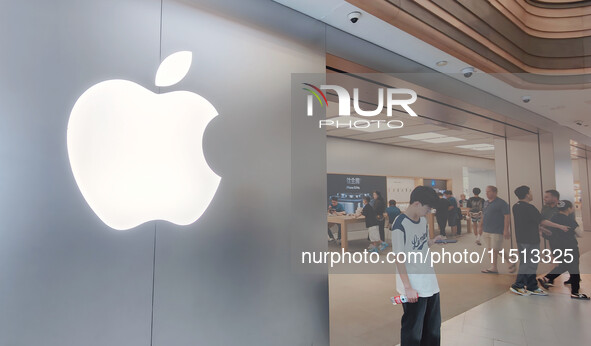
<point x="510" y="319"/>
<point x="476" y="308"/>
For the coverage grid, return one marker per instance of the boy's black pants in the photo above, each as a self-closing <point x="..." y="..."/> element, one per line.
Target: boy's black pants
<point x="572" y="268"/>
<point x="421" y="322"/>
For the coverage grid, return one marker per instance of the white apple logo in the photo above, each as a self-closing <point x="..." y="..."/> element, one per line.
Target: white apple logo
<point x="138" y="156"/>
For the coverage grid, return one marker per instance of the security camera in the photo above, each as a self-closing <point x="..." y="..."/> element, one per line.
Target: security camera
<point x="525" y="99"/>
<point x="354" y="16"/>
<point x="468" y="71"/>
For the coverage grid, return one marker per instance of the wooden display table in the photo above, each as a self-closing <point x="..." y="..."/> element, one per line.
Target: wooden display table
<point x="431" y="223"/>
<point x="466" y="212"/>
<point x="345" y="220"/>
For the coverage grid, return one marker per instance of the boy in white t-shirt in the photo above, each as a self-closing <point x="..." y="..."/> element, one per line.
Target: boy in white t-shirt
<point x="421" y="321"/>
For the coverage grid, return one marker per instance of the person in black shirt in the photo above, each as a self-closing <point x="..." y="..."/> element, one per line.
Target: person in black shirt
<point x="441" y="211"/>
<point x="371" y="222"/>
<point x="379" y="206"/>
<point x="566" y="241"/>
<point x="452" y="214"/>
<point x="476" y="204"/>
<point x="527" y="221"/>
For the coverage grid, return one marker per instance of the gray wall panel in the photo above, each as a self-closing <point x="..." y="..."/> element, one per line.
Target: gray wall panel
<point x="228" y="278"/>
<point x="66" y="278"/>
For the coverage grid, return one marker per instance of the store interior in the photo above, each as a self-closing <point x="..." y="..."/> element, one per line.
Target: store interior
<point x="450" y="145"/>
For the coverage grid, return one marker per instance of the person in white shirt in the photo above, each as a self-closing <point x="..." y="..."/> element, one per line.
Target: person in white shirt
<point x="421" y="321"/>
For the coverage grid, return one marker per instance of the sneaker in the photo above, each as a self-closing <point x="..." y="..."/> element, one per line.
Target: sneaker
<point x="538" y="292"/>
<point x="542" y="281"/>
<point x="520" y="291"/>
<point x="383" y="246"/>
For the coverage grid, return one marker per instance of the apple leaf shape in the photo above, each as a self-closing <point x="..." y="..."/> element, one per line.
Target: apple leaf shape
<point x="174" y="68"/>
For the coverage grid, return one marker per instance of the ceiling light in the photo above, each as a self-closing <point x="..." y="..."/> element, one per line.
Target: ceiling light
<point x="479" y="147"/>
<point x="423" y="136"/>
<point x="432" y="137"/>
<point x="443" y="140"/>
<point x="470" y="146"/>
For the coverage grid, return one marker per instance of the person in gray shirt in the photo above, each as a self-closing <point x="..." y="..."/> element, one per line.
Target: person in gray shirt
<point x="549" y="208"/>
<point x="496" y="219"/>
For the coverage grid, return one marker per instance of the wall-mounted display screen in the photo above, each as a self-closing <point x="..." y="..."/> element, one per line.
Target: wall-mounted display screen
<point x="437" y="184"/>
<point x="350" y="189"/>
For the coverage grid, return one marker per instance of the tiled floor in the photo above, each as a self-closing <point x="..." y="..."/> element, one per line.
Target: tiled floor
<point x="510" y="319"/>
<point x="515" y="320"/>
<point x="477" y="309"/>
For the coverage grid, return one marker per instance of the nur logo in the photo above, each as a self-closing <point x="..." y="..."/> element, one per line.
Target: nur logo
<point x="344" y="100"/>
<point x="316" y="92"/>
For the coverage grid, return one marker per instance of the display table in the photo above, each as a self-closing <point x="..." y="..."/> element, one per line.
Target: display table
<point x="345" y="220"/>
<point x="466" y="213"/>
<point x="431" y="223"/>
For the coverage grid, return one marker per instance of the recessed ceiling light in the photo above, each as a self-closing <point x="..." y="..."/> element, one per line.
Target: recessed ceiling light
<point x="422" y="136"/>
<point x="479" y="147"/>
<point x="432" y="137"/>
<point x="441" y="63"/>
<point x="443" y="140"/>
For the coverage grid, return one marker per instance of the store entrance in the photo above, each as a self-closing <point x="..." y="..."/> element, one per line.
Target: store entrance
<point x="451" y="146"/>
<point x="454" y="147"/>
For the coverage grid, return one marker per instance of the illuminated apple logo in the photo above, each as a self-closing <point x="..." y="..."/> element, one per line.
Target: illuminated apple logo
<point x="138" y="156"/>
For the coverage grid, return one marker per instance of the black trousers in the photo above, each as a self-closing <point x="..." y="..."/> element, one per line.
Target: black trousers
<point x="421" y="322"/>
<point x="573" y="270"/>
<point x="441" y="222"/>
<point x="381" y="224"/>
